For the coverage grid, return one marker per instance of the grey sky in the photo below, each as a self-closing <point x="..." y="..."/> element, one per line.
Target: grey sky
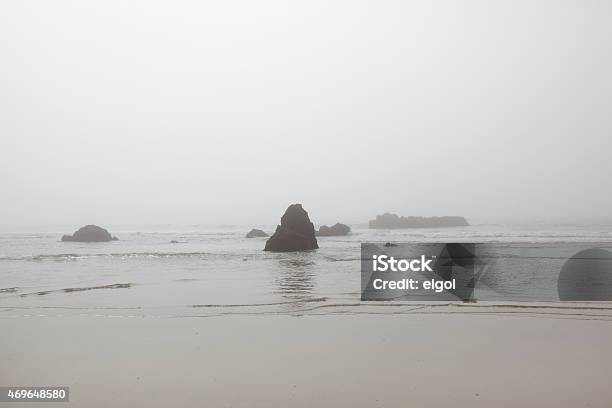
<point x="226" y="112"/>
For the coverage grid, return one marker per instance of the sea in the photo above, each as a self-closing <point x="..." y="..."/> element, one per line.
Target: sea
<point x="177" y="271"/>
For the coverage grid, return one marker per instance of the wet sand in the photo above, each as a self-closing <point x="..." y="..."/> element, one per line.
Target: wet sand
<point x="424" y="358"/>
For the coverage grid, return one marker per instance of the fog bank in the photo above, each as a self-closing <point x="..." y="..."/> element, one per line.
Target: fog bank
<point x="191" y="113"/>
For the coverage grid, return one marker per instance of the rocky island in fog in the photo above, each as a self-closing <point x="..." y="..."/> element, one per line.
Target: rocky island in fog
<point x="256" y="233"/>
<point x="296" y="232"/>
<point x="89" y="233"/>
<point x="336" y="230"/>
<point x="390" y="221"/>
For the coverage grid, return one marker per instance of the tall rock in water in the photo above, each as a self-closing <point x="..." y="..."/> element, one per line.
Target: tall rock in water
<point x="296" y="232"/>
<point x="90" y="233"/>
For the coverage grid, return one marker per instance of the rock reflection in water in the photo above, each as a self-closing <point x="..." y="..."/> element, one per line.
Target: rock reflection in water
<point x="295" y="278"/>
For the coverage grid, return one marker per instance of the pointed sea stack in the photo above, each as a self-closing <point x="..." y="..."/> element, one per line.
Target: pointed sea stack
<point x="296" y="232"/>
<point x="89" y="233"/>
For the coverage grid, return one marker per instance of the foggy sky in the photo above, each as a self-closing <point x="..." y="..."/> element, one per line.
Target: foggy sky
<point x="226" y="112"/>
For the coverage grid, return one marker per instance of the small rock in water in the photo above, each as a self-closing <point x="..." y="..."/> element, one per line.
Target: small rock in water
<point x="89" y="233"/>
<point x="336" y="230"/>
<point x="256" y="233"/>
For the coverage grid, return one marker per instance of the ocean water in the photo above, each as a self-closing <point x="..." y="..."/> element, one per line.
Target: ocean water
<point x="217" y="271"/>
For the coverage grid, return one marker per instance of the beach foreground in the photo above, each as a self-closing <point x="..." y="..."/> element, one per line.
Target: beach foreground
<point x="438" y="357"/>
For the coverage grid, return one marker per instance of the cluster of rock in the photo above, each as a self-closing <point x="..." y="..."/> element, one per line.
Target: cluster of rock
<point x="336" y="230"/>
<point x="256" y="233"/>
<point x="89" y="233"/>
<point x="389" y="221"/>
<point x="295" y="232"/>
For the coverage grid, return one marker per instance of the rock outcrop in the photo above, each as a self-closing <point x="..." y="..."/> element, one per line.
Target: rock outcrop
<point x="90" y="233"/>
<point x="336" y="230"/>
<point x="256" y="233"/>
<point x="389" y="221"/>
<point x="296" y="232"/>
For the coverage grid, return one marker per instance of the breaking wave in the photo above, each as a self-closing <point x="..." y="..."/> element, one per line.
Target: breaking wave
<point x="76" y="257"/>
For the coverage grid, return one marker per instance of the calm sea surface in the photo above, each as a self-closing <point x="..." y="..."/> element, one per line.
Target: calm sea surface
<point x="218" y="271"/>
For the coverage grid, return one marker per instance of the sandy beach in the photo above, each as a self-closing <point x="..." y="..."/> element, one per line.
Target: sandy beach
<point x="361" y="356"/>
<point x="284" y="204"/>
<point x="215" y="321"/>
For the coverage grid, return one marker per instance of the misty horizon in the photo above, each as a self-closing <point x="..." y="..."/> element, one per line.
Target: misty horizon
<point x="225" y="114"/>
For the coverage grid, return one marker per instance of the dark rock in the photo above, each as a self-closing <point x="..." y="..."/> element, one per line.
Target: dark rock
<point x="174" y="242"/>
<point x="296" y="232"/>
<point x="90" y="233"/>
<point x="335" y="230"/>
<point x="390" y="221"/>
<point x="389" y="244"/>
<point x="256" y="233"/>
